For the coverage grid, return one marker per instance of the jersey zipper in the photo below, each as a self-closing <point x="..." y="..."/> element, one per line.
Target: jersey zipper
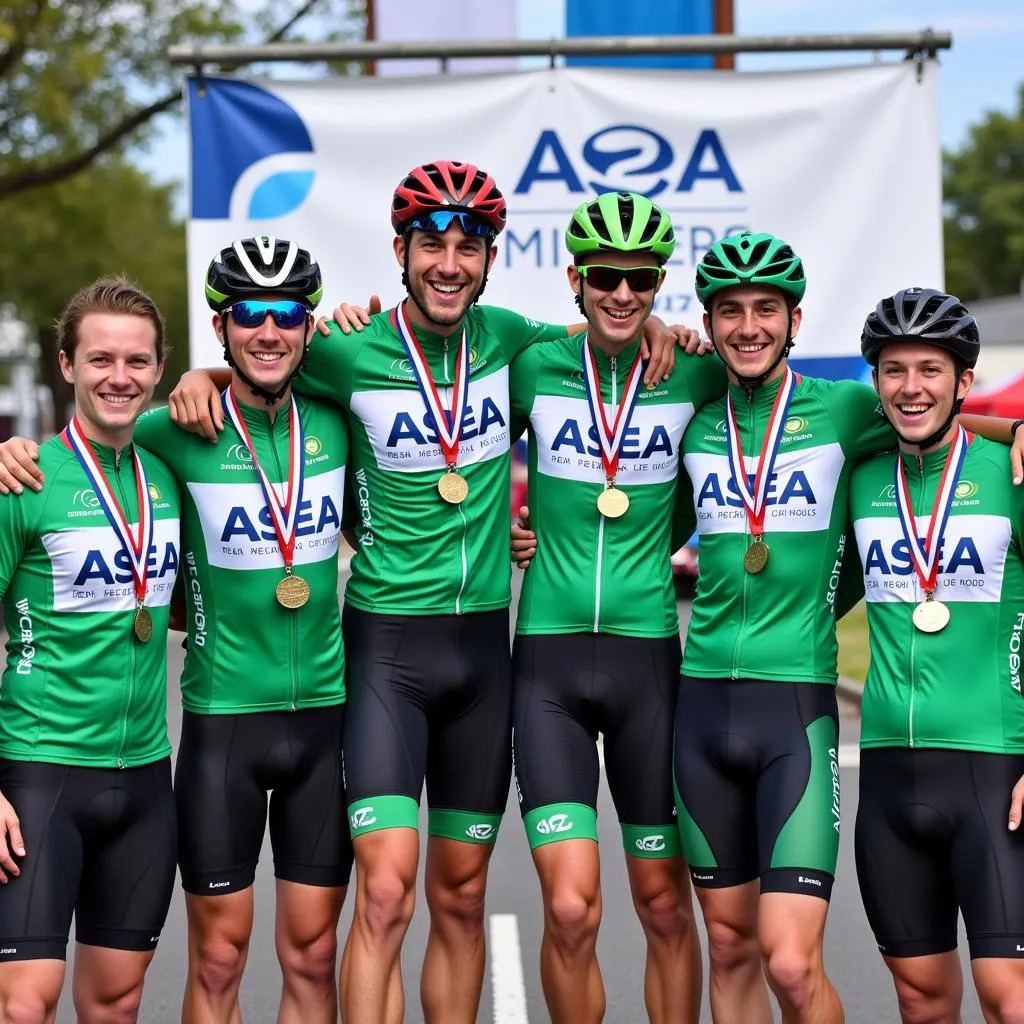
<point x="752" y="422"/>
<point x="130" y="696"/>
<point x="294" y="681"/>
<point x="911" y="674"/>
<point x="463" y="558"/>
<point x="600" y="524"/>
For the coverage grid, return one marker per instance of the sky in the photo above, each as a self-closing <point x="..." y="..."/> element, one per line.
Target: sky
<point x="980" y="73"/>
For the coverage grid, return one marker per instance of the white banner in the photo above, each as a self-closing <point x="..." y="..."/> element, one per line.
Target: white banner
<point x="407" y="21"/>
<point x="844" y="164"/>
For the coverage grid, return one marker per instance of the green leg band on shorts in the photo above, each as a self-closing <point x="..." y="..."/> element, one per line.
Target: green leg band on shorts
<point x="463" y="826"/>
<point x="652" y="842"/>
<point x="379" y="812"/>
<point x="695" y="846"/>
<point x="555" y="822"/>
<point x="810" y="837"/>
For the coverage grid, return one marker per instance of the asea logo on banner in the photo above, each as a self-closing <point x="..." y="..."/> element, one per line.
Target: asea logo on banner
<point x="695" y="179"/>
<point x="252" y="154"/>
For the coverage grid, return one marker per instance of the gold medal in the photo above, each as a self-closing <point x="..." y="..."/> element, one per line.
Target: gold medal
<point x="292" y="591"/>
<point x="755" y="558"/>
<point x="931" y="616"/>
<point x="142" y="624"/>
<point x="612" y="502"/>
<point x="453" y="488"/>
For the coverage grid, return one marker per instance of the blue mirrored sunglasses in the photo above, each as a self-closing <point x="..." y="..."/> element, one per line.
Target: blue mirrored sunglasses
<point x="441" y="220"/>
<point x="252" y="312"/>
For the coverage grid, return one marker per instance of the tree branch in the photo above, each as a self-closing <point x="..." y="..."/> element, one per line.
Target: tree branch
<point x="10" y="57"/>
<point x="38" y="174"/>
<point x="45" y="174"/>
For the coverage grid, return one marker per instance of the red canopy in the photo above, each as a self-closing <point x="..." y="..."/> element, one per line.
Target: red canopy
<point x="1005" y="398"/>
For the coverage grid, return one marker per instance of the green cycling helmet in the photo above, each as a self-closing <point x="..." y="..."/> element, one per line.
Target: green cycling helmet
<point x="620" y="222"/>
<point x="750" y="258"/>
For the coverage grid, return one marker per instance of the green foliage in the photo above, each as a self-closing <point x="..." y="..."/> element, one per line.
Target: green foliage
<point x="79" y="79"/>
<point x="983" y="186"/>
<point x="109" y="219"/>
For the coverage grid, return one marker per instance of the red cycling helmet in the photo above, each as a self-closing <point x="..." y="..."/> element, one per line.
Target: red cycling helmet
<point x="448" y="185"/>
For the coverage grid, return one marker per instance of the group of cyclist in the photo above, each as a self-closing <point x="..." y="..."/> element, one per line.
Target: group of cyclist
<point x="394" y="429"/>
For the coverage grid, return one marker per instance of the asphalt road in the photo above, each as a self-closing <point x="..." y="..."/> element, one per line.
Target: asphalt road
<point x="512" y="993"/>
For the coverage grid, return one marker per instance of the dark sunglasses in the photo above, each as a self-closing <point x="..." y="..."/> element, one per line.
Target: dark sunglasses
<point x="441" y="220"/>
<point x="252" y="312"/>
<point x="607" y="279"/>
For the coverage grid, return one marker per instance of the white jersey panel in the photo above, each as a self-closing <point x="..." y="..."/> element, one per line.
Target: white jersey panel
<point x="401" y="431"/>
<point x="801" y="491"/>
<point x="239" y="532"/>
<point x="92" y="571"/>
<point x="568" y="446"/>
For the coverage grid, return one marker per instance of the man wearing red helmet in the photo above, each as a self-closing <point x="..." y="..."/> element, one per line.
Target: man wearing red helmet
<point x="426" y="610"/>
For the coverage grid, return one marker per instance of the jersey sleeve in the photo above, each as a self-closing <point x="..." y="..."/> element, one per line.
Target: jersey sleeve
<point x="684" y="518"/>
<point x="327" y="373"/>
<point x="20" y="515"/>
<point x="157" y="433"/>
<point x="860" y="424"/>
<point x="522" y="385"/>
<point x="850" y="588"/>
<point x="517" y="332"/>
<point x="709" y="378"/>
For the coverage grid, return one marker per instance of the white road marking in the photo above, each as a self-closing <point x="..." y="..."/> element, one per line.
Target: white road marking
<point x="508" y="987"/>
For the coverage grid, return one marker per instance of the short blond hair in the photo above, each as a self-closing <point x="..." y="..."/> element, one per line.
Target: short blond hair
<point x="107" y="295"/>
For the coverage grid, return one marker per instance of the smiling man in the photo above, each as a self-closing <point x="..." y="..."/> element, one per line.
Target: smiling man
<point x="939" y="531"/>
<point x="597" y="633"/>
<point x="86" y="571"/>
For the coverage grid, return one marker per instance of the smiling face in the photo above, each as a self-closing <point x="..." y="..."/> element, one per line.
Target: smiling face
<point x="749" y="325"/>
<point x="916" y="383"/>
<point x="615" y="313"/>
<point x="267" y="354"/>
<point x="445" y="273"/>
<point x="113" y="370"/>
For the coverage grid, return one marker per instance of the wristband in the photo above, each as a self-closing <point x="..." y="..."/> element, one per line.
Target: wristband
<point x="1013" y="429"/>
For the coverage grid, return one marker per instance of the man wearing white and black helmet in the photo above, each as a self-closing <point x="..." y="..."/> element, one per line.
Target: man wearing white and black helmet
<point x="939" y="531"/>
<point x="263" y="688"/>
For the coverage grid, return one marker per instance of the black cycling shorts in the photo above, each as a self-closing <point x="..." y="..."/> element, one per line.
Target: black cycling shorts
<point x="757" y="780"/>
<point x="99" y="845"/>
<point x="230" y="767"/>
<point x="566" y="690"/>
<point x="931" y="839"/>
<point x="429" y="698"/>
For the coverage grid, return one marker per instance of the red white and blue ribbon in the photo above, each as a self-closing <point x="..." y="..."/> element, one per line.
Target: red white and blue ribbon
<point x="284" y="509"/>
<point x="924" y="554"/>
<point x="138" y="546"/>
<point x="754" y="500"/>
<point x="447" y="422"/>
<point x="610" y="435"/>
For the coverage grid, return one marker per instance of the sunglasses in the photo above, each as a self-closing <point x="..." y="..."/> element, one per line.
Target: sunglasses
<point x="441" y="220"/>
<point x="252" y="312"/>
<point x="607" y="279"/>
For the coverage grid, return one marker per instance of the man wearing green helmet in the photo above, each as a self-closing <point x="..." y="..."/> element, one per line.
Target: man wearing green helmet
<point x="756" y="737"/>
<point x="597" y="634"/>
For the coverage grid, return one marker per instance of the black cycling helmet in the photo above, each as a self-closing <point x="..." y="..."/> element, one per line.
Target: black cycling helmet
<point x="263" y="265"/>
<point x="255" y="266"/>
<point x="922" y="314"/>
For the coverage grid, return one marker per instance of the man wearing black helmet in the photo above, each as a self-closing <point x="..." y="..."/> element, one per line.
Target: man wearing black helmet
<point x="263" y="684"/>
<point x="939" y="531"/>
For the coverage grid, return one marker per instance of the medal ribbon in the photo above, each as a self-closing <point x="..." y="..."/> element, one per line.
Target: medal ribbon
<point x="925" y="559"/>
<point x="754" y="501"/>
<point x="284" y="511"/>
<point x="448" y="423"/>
<point x="611" y="435"/>
<point x="137" y="547"/>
